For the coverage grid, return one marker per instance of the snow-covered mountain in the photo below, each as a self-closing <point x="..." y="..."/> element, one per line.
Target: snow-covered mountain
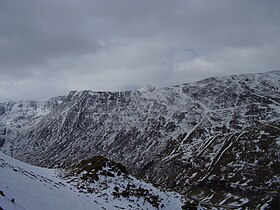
<point x="215" y="140"/>
<point x="93" y="184"/>
<point x="18" y="117"/>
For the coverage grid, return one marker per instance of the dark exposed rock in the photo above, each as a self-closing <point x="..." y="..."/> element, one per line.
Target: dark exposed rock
<point x="2" y="142"/>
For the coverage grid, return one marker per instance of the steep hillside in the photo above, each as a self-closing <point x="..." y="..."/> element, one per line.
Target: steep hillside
<point x="215" y="140"/>
<point x="17" y="117"/>
<point x="93" y="184"/>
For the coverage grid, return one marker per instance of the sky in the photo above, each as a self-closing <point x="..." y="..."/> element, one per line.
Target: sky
<point x="48" y="48"/>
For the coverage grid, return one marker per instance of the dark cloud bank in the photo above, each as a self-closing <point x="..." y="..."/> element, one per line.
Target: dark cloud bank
<point x="50" y="47"/>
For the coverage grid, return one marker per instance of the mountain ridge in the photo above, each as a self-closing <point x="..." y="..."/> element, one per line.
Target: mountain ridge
<point x="184" y="137"/>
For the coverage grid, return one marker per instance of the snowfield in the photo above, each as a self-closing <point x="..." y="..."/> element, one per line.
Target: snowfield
<point x="23" y="186"/>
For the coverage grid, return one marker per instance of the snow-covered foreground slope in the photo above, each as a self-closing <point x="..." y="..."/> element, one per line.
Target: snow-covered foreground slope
<point x="23" y="186"/>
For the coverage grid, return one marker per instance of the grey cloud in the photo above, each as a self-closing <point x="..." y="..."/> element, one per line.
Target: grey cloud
<point x="116" y="44"/>
<point x="28" y="38"/>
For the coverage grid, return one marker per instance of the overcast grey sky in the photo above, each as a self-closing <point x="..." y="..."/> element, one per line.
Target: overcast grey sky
<point x="48" y="48"/>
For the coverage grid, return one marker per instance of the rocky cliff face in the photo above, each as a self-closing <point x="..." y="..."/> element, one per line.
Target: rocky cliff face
<point x="216" y="140"/>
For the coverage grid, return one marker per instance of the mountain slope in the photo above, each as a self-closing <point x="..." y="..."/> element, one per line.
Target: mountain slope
<point x="215" y="140"/>
<point x="23" y="186"/>
<point x="17" y="117"/>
